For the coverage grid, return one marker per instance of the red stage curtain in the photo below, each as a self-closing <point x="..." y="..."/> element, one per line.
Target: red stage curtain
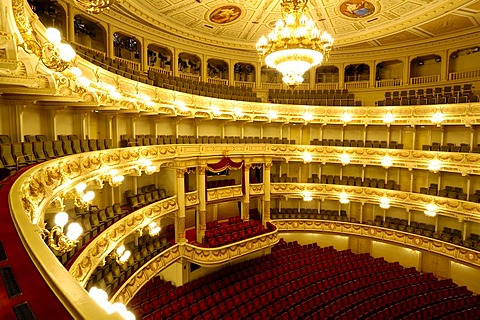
<point x="225" y="163"/>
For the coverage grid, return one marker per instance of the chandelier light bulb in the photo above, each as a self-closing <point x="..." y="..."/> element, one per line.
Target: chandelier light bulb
<point x="272" y="114"/>
<point x="120" y="250"/>
<point x="294" y="45"/>
<point x="384" y="203"/>
<point x="307" y="196"/>
<point x="216" y="110"/>
<point x="66" y="52"/>
<point x="238" y="112"/>
<point x="125" y="256"/>
<point x="61" y="219"/>
<point x="431" y="210"/>
<point x="88" y="196"/>
<point x="344" y="159"/>
<point x="81" y="187"/>
<point x="74" y="231"/>
<point x="76" y="71"/>
<point x="53" y="35"/>
<point x="84" y="82"/>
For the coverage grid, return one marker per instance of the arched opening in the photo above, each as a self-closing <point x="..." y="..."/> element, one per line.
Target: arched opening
<point x="326" y="74"/>
<point x="159" y="57"/>
<point x="389" y="73"/>
<point x="244" y="72"/>
<point x="462" y="62"/>
<point x="189" y="63"/>
<point x="89" y="34"/>
<point x="51" y="14"/>
<point x="425" y="69"/>
<point x="127" y="47"/>
<point x="217" y="69"/>
<point x="357" y="72"/>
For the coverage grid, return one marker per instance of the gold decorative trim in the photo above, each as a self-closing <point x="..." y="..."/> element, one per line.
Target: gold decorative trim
<point x="198" y="255"/>
<point x="222" y="193"/>
<point x="256" y="189"/>
<point x="452" y="251"/>
<point x="98" y="249"/>
<point x="411" y="201"/>
<point x="191" y="198"/>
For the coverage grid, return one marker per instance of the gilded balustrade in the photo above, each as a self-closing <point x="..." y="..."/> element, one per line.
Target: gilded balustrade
<point x="418" y="242"/>
<point x="97" y="250"/>
<point x="224" y="193"/>
<point x="191" y="198"/>
<point x="459" y="209"/>
<point x="192" y="253"/>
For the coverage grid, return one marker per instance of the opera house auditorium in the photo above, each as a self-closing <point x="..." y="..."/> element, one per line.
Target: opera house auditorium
<point x="264" y="159"/>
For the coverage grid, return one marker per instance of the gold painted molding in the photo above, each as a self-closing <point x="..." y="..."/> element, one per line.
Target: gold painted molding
<point x="191" y="198"/>
<point x="454" y="252"/>
<point x="459" y="209"/>
<point x="198" y="255"/>
<point x="97" y="250"/>
<point x="256" y="189"/>
<point x="224" y="193"/>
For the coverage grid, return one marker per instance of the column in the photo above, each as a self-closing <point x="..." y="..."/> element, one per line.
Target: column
<point x="444" y="65"/>
<point x="258" y="75"/>
<point x="266" y="197"/>
<point x="231" y="73"/>
<point x="144" y="56"/>
<point x="70" y="23"/>
<point x="202" y="206"/>
<point x="174" y="62"/>
<point x="110" y="47"/>
<point x="373" y="70"/>
<point x="180" y="218"/>
<point x="312" y="83"/>
<point x="246" y="195"/>
<point x="341" y="76"/>
<point x="406" y="72"/>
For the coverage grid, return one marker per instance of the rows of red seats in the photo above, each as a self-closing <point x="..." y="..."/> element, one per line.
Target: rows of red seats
<point x="233" y="230"/>
<point x="299" y="281"/>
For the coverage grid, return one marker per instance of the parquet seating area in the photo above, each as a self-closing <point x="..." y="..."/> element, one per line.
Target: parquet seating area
<point x="357" y="143"/>
<point x="333" y="97"/>
<point x="305" y="282"/>
<point x="233" y="230"/>
<point x="426" y="96"/>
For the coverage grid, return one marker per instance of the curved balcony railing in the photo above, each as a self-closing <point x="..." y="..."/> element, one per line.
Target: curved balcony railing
<point x="224" y="193"/>
<point x="98" y="249"/>
<point x="408" y="200"/>
<point x="198" y="255"/>
<point x="447" y="249"/>
<point x="45" y="183"/>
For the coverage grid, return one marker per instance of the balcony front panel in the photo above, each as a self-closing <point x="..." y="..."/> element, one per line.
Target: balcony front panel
<point x="224" y="193"/>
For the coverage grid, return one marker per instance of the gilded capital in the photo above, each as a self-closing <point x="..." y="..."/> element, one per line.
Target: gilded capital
<point x="181" y="172"/>
<point x="201" y="170"/>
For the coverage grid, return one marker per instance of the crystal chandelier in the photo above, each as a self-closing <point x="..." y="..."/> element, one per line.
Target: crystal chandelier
<point x="295" y="45"/>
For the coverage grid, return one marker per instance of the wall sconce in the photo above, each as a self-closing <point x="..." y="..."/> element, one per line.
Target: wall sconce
<point x="388" y="118"/>
<point x="386" y="162"/>
<point x="384" y="203"/>
<point x="153" y="229"/>
<point x="57" y="239"/>
<point x="307" y="116"/>
<point x="307" y="195"/>
<point x="238" y="112"/>
<point x="343" y="198"/>
<point x="121" y="255"/>
<point x="434" y="165"/>
<point x="346" y="117"/>
<point x="101" y="298"/>
<point x="216" y="110"/>
<point x="53" y="54"/>
<point x="431" y="210"/>
<point x="148" y="167"/>
<point x="437" y="118"/>
<point x="182" y="106"/>
<point x="344" y="159"/>
<point x="114" y="179"/>
<point x="272" y="114"/>
<point x="83" y="199"/>
<point x="307" y="157"/>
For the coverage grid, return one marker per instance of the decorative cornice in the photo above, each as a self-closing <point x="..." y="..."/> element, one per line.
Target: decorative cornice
<point x="454" y="252"/>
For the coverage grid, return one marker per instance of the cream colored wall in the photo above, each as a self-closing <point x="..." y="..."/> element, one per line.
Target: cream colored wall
<point x="392" y="253"/>
<point x="33" y="120"/>
<point x="173" y="273"/>
<point x="189" y="218"/>
<point x="187" y="128"/>
<point x="165" y="127"/>
<point x="377" y="133"/>
<point x="143" y="125"/>
<point x="464" y="275"/>
<point x="322" y="239"/>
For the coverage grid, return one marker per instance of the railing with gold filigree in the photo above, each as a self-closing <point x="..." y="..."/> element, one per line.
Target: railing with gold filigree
<point x="191" y="198"/>
<point x="224" y="193"/>
<point x="100" y="247"/>
<point x="256" y="189"/>
<point x="401" y="199"/>
<point x="198" y="255"/>
<point x="419" y="242"/>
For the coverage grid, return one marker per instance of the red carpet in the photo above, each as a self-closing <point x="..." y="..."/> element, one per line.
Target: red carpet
<point x="35" y="291"/>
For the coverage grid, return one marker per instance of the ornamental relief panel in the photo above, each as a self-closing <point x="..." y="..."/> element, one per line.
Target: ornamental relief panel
<point x="224" y="193"/>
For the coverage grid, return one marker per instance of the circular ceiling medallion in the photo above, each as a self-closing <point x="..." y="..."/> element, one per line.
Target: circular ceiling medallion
<point x="357" y="8"/>
<point x="225" y="14"/>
